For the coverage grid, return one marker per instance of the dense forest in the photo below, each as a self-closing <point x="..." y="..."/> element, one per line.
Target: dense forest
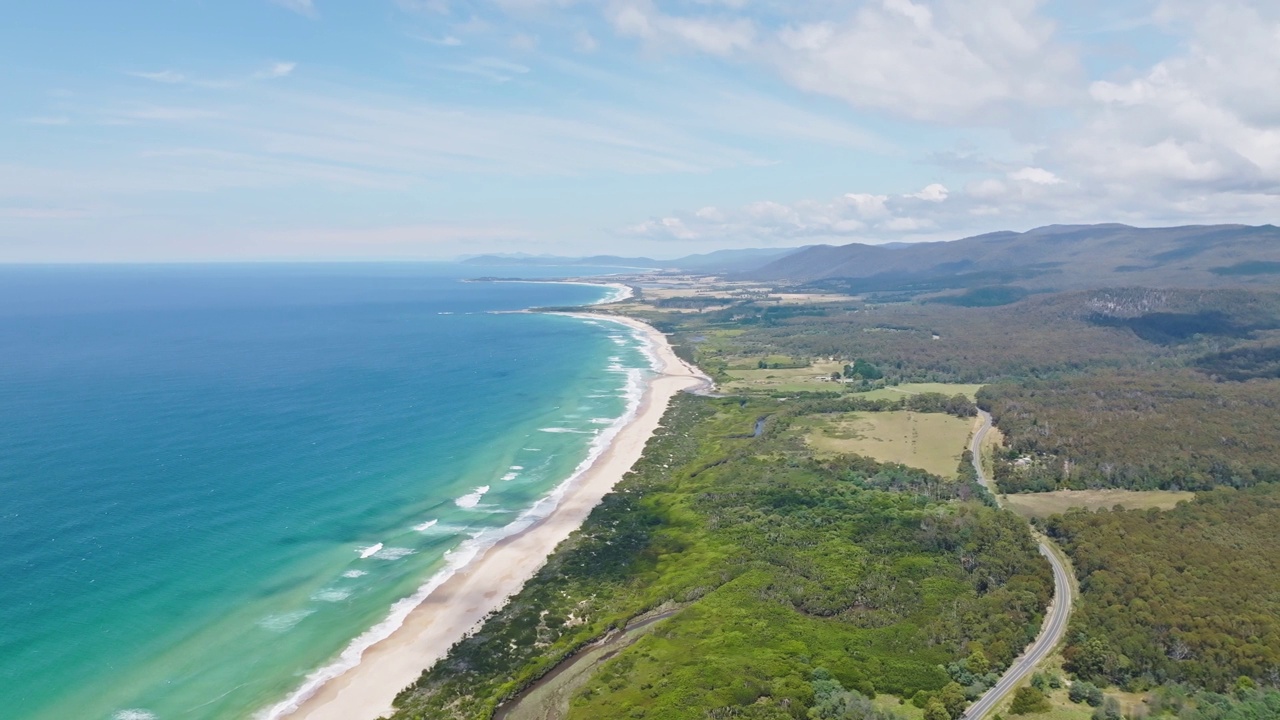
<point x="783" y="585"/>
<point x="1188" y="595"/>
<point x="1169" y="429"/>
<point x="1039" y="336"/>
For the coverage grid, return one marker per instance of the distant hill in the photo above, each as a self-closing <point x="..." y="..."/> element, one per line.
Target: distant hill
<point x="720" y="261"/>
<point x="1003" y="265"/>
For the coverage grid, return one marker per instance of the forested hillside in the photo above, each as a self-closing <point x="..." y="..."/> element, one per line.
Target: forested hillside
<point x="1188" y="595"/>
<point x="1139" y="430"/>
<point x="791" y="584"/>
<point x="1056" y="257"/>
<point x="1040" y="335"/>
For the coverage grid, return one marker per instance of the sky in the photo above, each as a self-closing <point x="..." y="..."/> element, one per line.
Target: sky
<point x="228" y="130"/>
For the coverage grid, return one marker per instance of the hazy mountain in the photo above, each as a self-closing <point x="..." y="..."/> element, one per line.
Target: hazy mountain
<point x="1056" y="257"/>
<point x="720" y="261"/>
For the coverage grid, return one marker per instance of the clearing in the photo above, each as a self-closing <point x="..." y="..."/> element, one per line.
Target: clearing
<point x="1041" y="505"/>
<point x="815" y="378"/>
<point x="1061" y="707"/>
<point x="929" y="441"/>
<point x="893" y="393"/>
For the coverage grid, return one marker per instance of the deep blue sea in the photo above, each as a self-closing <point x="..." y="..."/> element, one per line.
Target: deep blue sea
<point x="214" y="479"/>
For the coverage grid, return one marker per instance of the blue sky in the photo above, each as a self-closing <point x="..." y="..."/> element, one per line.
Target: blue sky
<point x="398" y="129"/>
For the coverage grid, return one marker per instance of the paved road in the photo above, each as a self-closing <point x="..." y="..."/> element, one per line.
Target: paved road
<point x="1055" y="622"/>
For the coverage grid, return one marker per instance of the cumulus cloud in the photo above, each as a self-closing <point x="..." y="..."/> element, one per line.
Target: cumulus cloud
<point x="952" y="61"/>
<point x="1035" y="175"/>
<point x="845" y="218"/>
<point x="936" y="192"/>
<point x="1195" y="131"/>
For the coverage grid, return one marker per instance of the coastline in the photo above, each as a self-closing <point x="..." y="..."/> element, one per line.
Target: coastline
<point x="456" y="606"/>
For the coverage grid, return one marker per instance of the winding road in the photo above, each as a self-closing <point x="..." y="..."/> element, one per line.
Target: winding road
<point x="1055" y="621"/>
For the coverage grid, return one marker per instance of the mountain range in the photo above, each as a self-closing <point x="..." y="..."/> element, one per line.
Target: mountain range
<point x="720" y="261"/>
<point x="1055" y="257"/>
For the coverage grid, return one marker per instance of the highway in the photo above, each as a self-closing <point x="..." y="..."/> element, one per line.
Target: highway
<point x="1055" y="621"/>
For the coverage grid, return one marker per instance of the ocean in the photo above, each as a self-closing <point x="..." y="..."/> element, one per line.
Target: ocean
<point x="218" y="483"/>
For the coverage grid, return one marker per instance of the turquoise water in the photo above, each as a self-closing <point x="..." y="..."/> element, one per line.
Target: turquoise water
<point x="213" y="479"/>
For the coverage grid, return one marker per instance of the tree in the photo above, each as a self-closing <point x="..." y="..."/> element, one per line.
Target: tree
<point x="1244" y="684"/>
<point x="953" y="699"/>
<point x="977" y="663"/>
<point x="1028" y="700"/>
<point x="1090" y="660"/>
<point x="935" y="710"/>
<point x="1079" y="691"/>
<point x="1110" y="710"/>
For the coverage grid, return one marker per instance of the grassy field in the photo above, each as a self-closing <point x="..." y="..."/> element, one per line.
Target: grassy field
<point x="917" y="388"/>
<point x="813" y="378"/>
<point x="1061" y="707"/>
<point x="892" y="703"/>
<point x="929" y="441"/>
<point x="1042" y="505"/>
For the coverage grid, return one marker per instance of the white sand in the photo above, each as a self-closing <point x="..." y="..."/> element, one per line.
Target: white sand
<point x="457" y="607"/>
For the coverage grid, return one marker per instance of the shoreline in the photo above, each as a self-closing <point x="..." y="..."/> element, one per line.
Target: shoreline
<point x="459" y="604"/>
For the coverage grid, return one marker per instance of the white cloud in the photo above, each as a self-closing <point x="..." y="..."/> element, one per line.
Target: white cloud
<point x="935" y="192"/>
<point x="908" y="224"/>
<point x="867" y="205"/>
<point x="163" y="76"/>
<point x="1197" y="130"/>
<point x="585" y="42"/>
<point x="523" y="42"/>
<point x="1035" y="175"/>
<point x="437" y="7"/>
<point x="495" y="69"/>
<point x="954" y="61"/>
<point x="302" y="7"/>
<point x="852" y="216"/>
<point x="276" y="70"/>
<point x="986" y="189"/>
<point x="714" y="36"/>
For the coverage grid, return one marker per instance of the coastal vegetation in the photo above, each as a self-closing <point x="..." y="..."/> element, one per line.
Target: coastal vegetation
<point x="1113" y="398"/>
<point x="785" y="585"/>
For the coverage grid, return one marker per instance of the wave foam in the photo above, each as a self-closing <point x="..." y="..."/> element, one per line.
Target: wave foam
<point x="564" y="430"/>
<point x="283" y="622"/>
<point x="331" y="595"/>
<point x="369" y="551"/>
<point x="423" y="527"/>
<point x="470" y="549"/>
<point x="472" y="499"/>
<point x="510" y="476"/>
<point x="354" y="574"/>
<point x="134" y="714"/>
<point x="516" y="467"/>
<point x="393" y="553"/>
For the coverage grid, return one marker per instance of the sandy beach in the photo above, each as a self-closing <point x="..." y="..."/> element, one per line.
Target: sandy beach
<point x="456" y="607"/>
